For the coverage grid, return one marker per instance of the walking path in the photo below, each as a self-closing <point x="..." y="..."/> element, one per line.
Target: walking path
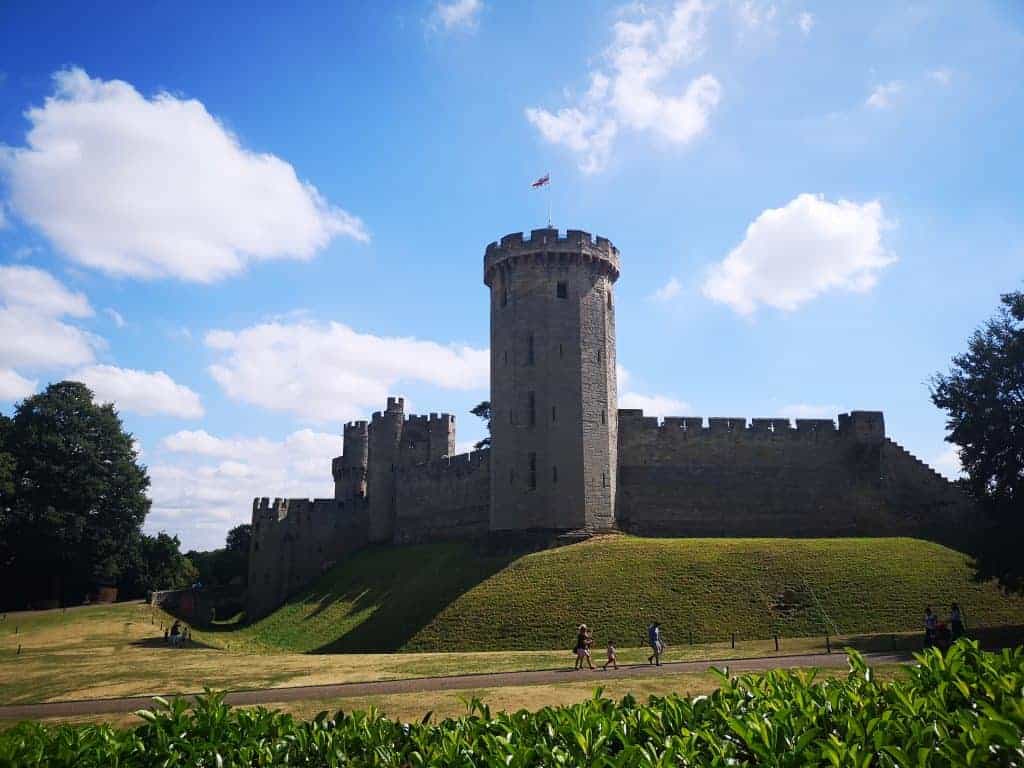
<point x="448" y="683"/>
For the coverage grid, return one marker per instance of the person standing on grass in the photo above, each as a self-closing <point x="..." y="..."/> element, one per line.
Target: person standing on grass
<point x="956" y="622"/>
<point x="611" y="656"/>
<point x="583" y="642"/>
<point x="654" y="639"/>
<point x="931" y="625"/>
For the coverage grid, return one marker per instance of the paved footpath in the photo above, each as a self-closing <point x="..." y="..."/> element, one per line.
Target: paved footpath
<point x="449" y="683"/>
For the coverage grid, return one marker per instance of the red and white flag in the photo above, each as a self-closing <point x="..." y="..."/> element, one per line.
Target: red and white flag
<point x="543" y="181"/>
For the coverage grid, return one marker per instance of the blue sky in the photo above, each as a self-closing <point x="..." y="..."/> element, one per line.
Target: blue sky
<point x="245" y="226"/>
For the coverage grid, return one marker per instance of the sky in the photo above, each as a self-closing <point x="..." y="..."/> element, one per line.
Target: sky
<point x="247" y="224"/>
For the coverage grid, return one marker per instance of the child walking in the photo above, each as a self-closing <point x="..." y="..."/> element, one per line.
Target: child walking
<point x="611" y="656"/>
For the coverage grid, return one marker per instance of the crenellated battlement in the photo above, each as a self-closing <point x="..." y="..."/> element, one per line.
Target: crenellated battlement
<point x="865" y="426"/>
<point x="576" y="246"/>
<point x="462" y="461"/>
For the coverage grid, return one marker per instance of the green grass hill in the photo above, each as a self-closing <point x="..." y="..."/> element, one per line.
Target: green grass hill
<point x="448" y="597"/>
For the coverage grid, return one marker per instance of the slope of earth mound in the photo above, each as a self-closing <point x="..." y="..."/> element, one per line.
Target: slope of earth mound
<point x="449" y="597"/>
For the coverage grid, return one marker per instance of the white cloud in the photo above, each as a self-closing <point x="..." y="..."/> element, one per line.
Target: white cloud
<point x="158" y="187"/>
<point x="792" y="254"/>
<point x="116" y="316"/>
<point x="32" y="334"/>
<point x="942" y="76"/>
<point x="753" y="14"/>
<point x="652" y="405"/>
<point x="668" y="291"/>
<point x="806" y="22"/>
<point x="15" y="387"/>
<point x="204" y="484"/>
<point x="458" y="14"/>
<point x="332" y="372"/>
<point x="948" y="463"/>
<point x="141" y="392"/>
<point x="809" y="411"/>
<point x="646" y="50"/>
<point x="39" y="291"/>
<point x="883" y="95"/>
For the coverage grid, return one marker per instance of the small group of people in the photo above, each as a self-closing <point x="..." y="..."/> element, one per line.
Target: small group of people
<point x="585" y="642"/>
<point x="941" y="634"/>
<point x="177" y="634"/>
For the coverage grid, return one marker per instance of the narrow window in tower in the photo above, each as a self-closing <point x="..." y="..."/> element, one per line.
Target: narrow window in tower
<point x="511" y="476"/>
<point x="533" y="471"/>
<point x="504" y="293"/>
<point x="529" y="349"/>
<point x="609" y="298"/>
<point x="506" y="357"/>
<point x="599" y="354"/>
<point x="511" y="415"/>
<point x="604" y="480"/>
<point x="560" y="350"/>
<point x="554" y="414"/>
<point x="562" y="290"/>
<point x="531" y="406"/>
<point x="602" y="417"/>
<point x="554" y="474"/>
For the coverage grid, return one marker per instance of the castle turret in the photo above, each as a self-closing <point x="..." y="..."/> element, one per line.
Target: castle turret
<point x="349" y="469"/>
<point x="385" y="436"/>
<point x="553" y="387"/>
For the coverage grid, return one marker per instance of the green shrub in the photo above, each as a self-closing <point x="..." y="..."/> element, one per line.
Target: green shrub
<point x="963" y="708"/>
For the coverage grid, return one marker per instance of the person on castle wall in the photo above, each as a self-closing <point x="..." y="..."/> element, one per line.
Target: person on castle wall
<point x="654" y="639"/>
<point x="956" y="622"/>
<point x="584" y="640"/>
<point x="931" y="627"/>
<point x="611" y="656"/>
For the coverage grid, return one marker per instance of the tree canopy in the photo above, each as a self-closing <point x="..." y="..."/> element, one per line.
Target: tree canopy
<point x="483" y="411"/>
<point x="74" y="496"/>
<point x="983" y="397"/>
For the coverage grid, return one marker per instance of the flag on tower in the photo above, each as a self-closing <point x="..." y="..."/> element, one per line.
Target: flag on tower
<point x="543" y="181"/>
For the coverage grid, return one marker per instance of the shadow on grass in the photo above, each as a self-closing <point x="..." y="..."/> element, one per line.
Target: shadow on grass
<point x="991" y="638"/>
<point x="157" y="643"/>
<point x="400" y="590"/>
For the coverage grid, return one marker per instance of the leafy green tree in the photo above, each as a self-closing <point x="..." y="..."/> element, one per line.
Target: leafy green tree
<point x="483" y="410"/>
<point x="227" y="564"/>
<point x="79" y="497"/>
<point x="983" y="397"/>
<point x="157" y="563"/>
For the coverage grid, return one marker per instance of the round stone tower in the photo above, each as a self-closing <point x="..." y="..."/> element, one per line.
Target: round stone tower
<point x="553" y="390"/>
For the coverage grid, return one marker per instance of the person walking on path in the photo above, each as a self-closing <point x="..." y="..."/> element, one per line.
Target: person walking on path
<point x="611" y="656"/>
<point x="654" y="639"/>
<point x="956" y="622"/>
<point x="584" y="640"/>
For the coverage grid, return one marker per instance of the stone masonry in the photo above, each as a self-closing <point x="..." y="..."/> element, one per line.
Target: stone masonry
<point x="565" y="460"/>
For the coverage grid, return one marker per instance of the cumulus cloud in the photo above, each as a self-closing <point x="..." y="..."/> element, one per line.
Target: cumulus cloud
<point x="15" y="387"/>
<point x="883" y="95"/>
<point x="941" y="76"/>
<point x="458" y="14"/>
<point x="142" y="392"/>
<point x="793" y="254"/>
<point x="753" y="14"/>
<point x="652" y="405"/>
<point x="33" y="334"/>
<point x="157" y="187"/>
<point x="204" y="484"/>
<point x="805" y="21"/>
<point x="636" y="89"/>
<point x="668" y="291"/>
<point x="332" y="372"/>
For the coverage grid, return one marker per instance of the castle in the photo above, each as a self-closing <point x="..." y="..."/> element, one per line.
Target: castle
<point x="564" y="460"/>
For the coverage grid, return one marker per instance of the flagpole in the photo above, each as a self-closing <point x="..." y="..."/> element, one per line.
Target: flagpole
<point x="549" y="198"/>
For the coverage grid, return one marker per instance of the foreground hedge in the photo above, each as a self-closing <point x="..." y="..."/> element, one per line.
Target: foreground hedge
<point x="964" y="708"/>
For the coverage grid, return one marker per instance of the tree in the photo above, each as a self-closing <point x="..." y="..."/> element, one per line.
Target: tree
<point x="228" y="564"/>
<point x="157" y="563"/>
<point x="79" y="497"/>
<point x="483" y="410"/>
<point x="983" y="396"/>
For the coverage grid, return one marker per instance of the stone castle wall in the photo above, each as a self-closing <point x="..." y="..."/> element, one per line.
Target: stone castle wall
<point x="448" y="498"/>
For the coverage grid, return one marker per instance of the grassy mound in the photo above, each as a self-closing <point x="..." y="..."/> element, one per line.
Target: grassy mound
<point x="449" y="597"/>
